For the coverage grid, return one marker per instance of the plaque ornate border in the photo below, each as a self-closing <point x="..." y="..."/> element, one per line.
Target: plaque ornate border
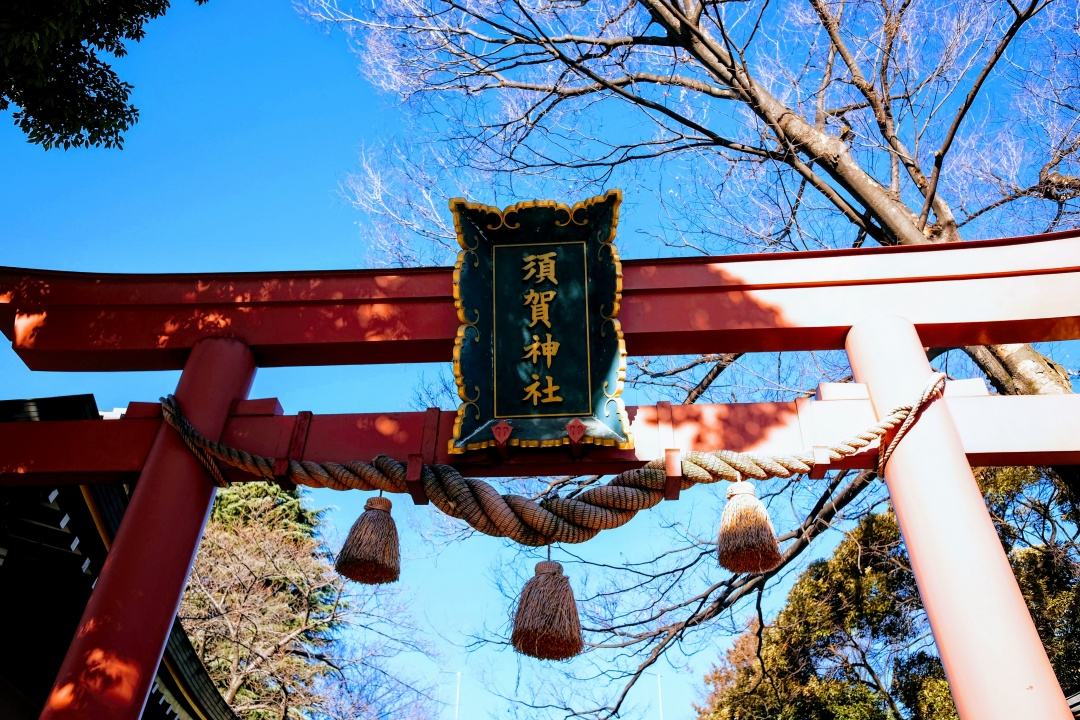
<point x="468" y="387"/>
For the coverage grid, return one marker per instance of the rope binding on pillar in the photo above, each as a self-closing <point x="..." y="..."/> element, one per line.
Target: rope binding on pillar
<point x="746" y="543"/>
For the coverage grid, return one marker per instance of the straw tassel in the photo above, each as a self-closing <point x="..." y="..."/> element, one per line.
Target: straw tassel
<point x="370" y="554"/>
<point x="546" y="625"/>
<point x="747" y="541"/>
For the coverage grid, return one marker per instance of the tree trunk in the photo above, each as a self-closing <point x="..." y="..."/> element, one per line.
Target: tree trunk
<point x="1019" y="369"/>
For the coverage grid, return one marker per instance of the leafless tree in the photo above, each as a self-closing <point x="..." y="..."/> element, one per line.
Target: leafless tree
<point x="282" y="634"/>
<point x="753" y="126"/>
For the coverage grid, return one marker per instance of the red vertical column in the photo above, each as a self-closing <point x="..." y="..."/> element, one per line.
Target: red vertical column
<point x="996" y="665"/>
<point x="108" y="669"/>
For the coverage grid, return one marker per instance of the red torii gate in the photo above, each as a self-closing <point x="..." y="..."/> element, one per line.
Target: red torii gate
<point x="219" y="327"/>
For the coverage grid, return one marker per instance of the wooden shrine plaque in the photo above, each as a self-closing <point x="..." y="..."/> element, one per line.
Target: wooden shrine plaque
<point x="537" y="288"/>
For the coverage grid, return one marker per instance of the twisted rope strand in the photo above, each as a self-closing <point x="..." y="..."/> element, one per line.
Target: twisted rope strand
<point x="556" y="518"/>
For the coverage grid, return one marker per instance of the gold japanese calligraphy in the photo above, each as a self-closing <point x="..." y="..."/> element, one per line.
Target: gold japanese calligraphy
<point x="538" y="303"/>
<point x="535" y="395"/>
<point x="539" y="357"/>
<point x="547" y="350"/>
<point x="540" y="268"/>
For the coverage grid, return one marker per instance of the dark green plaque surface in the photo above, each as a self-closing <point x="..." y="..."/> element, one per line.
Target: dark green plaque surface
<point x="537" y="288"/>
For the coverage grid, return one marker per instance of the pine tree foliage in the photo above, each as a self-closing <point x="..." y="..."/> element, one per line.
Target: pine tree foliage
<point x="852" y="641"/>
<point x="279" y="632"/>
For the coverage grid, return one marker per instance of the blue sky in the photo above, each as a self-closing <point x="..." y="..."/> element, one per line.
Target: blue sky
<point x="251" y="118"/>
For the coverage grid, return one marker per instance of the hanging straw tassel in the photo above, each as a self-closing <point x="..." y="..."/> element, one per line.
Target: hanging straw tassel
<point x="370" y="554"/>
<point x="747" y="542"/>
<point x="546" y="624"/>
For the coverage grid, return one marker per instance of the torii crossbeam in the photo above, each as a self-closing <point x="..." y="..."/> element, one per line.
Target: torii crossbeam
<point x="882" y="305"/>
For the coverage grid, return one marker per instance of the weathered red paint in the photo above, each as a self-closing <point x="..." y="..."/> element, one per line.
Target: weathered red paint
<point x="1020" y="289"/>
<point x="994" y="430"/>
<point x="957" y="294"/>
<point x="993" y="657"/>
<point x="108" y="669"/>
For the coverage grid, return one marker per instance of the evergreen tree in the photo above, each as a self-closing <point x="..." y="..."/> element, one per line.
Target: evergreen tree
<point x="51" y="67"/>
<point x="852" y="641"/>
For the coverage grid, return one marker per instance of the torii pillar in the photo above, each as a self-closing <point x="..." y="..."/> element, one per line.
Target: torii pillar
<point x="121" y="636"/>
<point x="993" y="657"/>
